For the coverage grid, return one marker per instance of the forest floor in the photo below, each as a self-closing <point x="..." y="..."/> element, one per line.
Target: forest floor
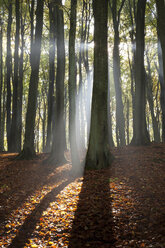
<point x="45" y="206"/>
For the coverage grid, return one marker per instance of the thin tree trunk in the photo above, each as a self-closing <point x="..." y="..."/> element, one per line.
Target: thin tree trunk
<point x="20" y="89"/>
<point x="151" y="103"/>
<point x="110" y="136"/>
<point x="127" y="121"/>
<point x="28" y="148"/>
<point x="1" y="87"/>
<point x="14" y="124"/>
<point x="52" y="36"/>
<point x="72" y="89"/>
<point x="161" y="56"/>
<point x="59" y="142"/>
<point x="31" y="11"/>
<point x="120" y="120"/>
<point x="162" y="89"/>
<point x="141" y="136"/>
<point x="132" y="10"/>
<point x="44" y="127"/>
<point x="80" y="91"/>
<point x="8" y="76"/>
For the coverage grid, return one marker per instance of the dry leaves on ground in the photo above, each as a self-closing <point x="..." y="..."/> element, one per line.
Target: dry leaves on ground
<point x="45" y="206"/>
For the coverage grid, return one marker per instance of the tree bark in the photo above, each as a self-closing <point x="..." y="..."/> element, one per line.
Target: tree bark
<point x="52" y="38"/>
<point x="120" y="120"/>
<point x="28" y="148"/>
<point x="8" y="76"/>
<point x="14" y="125"/>
<point x="59" y="138"/>
<point x="141" y="136"/>
<point x="98" y="154"/>
<point x="161" y="54"/>
<point x="72" y="89"/>
<point x="151" y="104"/>
<point x="1" y="87"/>
<point x="20" y="86"/>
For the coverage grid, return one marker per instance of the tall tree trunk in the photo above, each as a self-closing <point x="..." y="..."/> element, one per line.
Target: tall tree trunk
<point x="110" y="136"/>
<point x="20" y="89"/>
<point x="120" y="120"/>
<point x="72" y="89"/>
<point x="132" y="11"/>
<point x="8" y="76"/>
<point x="14" y="124"/>
<point x="87" y="91"/>
<point x="28" y="148"/>
<point x="80" y="90"/>
<point x="162" y="89"/>
<point x="98" y="154"/>
<point x="52" y="36"/>
<point x="151" y="103"/>
<point x="43" y="127"/>
<point x="31" y="12"/>
<point x="141" y="136"/>
<point x="161" y="54"/>
<point x="1" y="87"/>
<point x="59" y="142"/>
<point x="127" y="121"/>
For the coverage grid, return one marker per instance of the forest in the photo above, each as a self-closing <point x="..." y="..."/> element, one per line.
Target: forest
<point x="82" y="123"/>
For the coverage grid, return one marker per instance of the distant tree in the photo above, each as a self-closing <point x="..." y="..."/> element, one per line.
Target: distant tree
<point x="72" y="88"/>
<point x="141" y="135"/>
<point x="28" y="148"/>
<point x="52" y="39"/>
<point x="120" y="120"/>
<point x="21" y="74"/>
<point x="1" y="88"/>
<point x="14" y="124"/>
<point x="149" y="91"/>
<point x="98" y="154"/>
<point x="8" y="74"/>
<point x="161" y="54"/>
<point x="59" y="137"/>
<point x="31" y="12"/>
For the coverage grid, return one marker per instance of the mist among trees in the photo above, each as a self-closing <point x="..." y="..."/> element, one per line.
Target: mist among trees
<point x="82" y="76"/>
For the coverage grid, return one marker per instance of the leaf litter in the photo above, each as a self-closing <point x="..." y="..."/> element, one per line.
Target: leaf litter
<point x="124" y="206"/>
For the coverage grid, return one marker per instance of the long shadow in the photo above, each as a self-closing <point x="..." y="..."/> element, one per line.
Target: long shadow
<point x="29" y="225"/>
<point x="29" y="179"/>
<point x="92" y="225"/>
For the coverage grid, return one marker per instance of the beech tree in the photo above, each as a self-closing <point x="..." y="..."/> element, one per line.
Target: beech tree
<point x="14" y="124"/>
<point x="72" y="88"/>
<point x="98" y="154"/>
<point x="59" y="142"/>
<point x="28" y="148"/>
<point x="1" y="89"/>
<point x="52" y="41"/>
<point x="53" y="95"/>
<point x="161" y="53"/>
<point x="8" y="74"/>
<point x="141" y="136"/>
<point x="120" y="120"/>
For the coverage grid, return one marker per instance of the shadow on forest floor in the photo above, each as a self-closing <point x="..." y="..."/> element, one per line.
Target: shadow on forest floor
<point x="92" y="225"/>
<point x="26" y="230"/>
<point x="121" y="207"/>
<point x="21" y="179"/>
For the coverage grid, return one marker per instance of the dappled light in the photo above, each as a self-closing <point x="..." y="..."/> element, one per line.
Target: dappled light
<point x="82" y="124"/>
<point x="118" y="207"/>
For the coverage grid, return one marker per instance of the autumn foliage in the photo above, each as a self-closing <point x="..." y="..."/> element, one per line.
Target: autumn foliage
<point x="45" y="206"/>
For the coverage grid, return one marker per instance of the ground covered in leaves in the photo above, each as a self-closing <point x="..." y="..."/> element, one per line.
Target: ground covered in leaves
<point x="45" y="206"/>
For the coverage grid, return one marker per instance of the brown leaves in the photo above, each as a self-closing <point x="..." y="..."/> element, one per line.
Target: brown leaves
<point x="94" y="211"/>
